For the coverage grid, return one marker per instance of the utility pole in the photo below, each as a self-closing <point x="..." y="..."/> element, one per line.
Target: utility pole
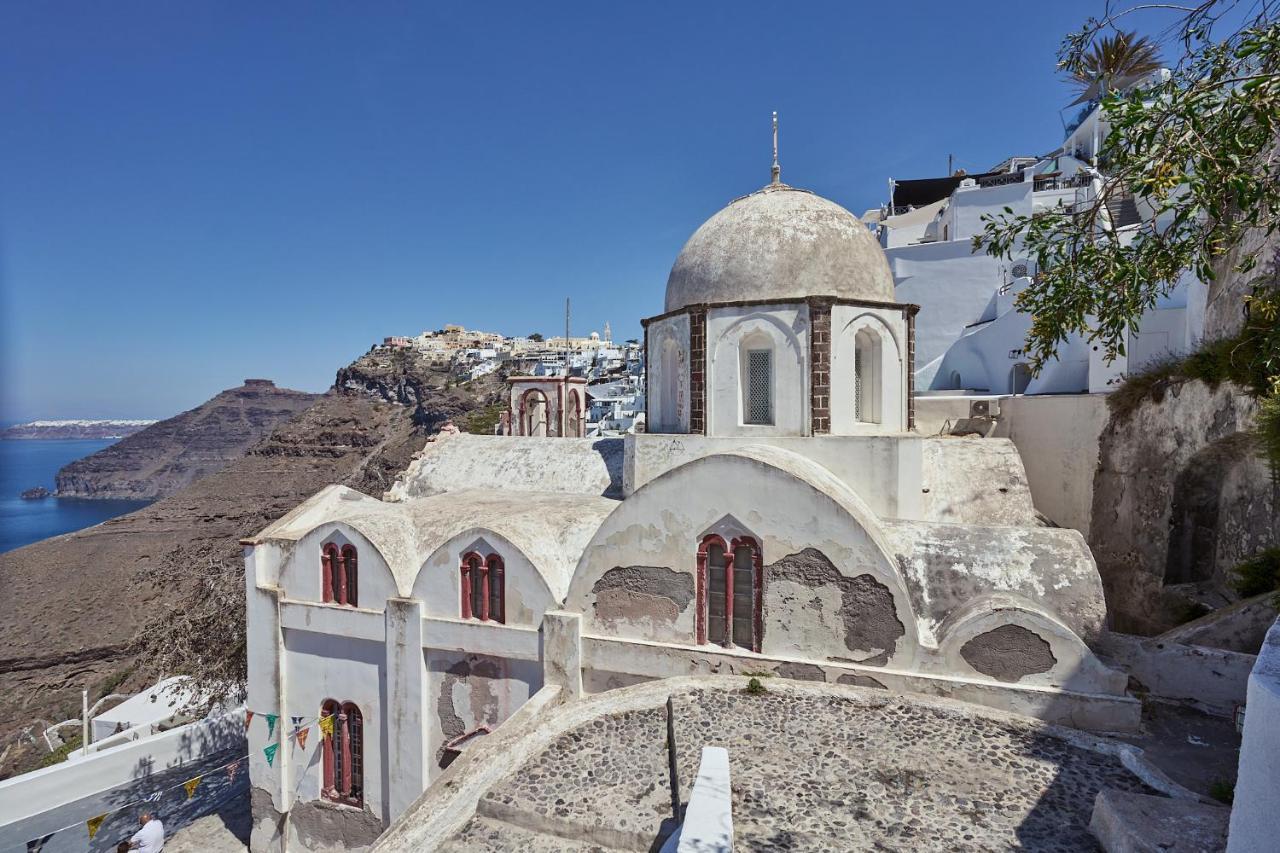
<point x="949" y="159"/>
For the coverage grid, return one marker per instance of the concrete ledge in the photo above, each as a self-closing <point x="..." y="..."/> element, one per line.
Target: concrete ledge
<point x="1140" y="823"/>
<point x="1211" y="680"/>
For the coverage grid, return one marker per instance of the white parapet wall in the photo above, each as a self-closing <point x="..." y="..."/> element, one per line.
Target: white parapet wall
<point x="1255" y="814"/>
<point x="32" y="794"/>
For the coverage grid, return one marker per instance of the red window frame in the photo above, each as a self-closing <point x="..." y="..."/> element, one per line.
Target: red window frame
<point x="339" y="574"/>
<point x="483" y="584"/>
<point x="702" y="615"/>
<point x="343" y="754"/>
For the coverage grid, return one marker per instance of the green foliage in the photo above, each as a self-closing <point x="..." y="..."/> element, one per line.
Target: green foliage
<point x="1258" y="574"/>
<point x="1223" y="791"/>
<point x="1196" y="151"/>
<point x="755" y="688"/>
<point x="536" y="336"/>
<point x="60" y="754"/>
<point x="483" y="421"/>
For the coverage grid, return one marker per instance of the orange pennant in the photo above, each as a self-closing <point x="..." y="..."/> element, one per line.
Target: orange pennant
<point x="248" y="718"/>
<point x="302" y="737"/>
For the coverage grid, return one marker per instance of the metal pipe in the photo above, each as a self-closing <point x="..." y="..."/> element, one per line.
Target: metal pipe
<point x="84" y="722"/>
<point x="671" y="762"/>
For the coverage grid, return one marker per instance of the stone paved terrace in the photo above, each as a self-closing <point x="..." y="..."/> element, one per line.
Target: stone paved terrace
<point x="830" y="768"/>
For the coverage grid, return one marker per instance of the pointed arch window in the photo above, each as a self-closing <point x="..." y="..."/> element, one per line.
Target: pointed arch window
<point x="343" y="753"/>
<point x="730" y="582"/>
<point x="758" y="387"/>
<point x="339" y="574"/>
<point x="573" y="415"/>
<point x="483" y="587"/>
<point x="866" y="377"/>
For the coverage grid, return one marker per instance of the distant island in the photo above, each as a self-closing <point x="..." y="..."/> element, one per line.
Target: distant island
<point x="78" y="429"/>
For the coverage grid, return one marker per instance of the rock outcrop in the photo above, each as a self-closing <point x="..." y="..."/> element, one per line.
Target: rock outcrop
<point x="175" y="452"/>
<point x="71" y="621"/>
<point x="1181" y="496"/>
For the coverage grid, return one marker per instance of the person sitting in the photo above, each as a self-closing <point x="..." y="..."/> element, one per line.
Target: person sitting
<point x="150" y="838"/>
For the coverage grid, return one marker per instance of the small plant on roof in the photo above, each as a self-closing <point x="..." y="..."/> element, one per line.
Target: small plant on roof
<point x="755" y="688"/>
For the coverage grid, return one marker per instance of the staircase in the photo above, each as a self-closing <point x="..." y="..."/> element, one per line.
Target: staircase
<point x="1123" y="210"/>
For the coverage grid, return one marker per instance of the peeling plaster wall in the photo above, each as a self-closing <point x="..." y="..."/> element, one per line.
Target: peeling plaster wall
<point x="975" y="481"/>
<point x="626" y="595"/>
<point x="467" y="691"/>
<point x="317" y="825"/>
<point x="1049" y="570"/>
<point x="662" y="524"/>
<point x="1009" y="653"/>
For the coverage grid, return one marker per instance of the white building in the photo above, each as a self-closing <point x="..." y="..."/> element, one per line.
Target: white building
<point x="969" y="337"/>
<point x="781" y="516"/>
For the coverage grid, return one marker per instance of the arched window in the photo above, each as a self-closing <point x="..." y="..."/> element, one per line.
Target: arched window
<point x="757" y="386"/>
<point x="483" y="588"/>
<point x="339" y="569"/>
<point x="343" y="754"/>
<point x="866" y="377"/>
<point x="730" y="580"/>
<point x="668" y="419"/>
<point x="533" y="413"/>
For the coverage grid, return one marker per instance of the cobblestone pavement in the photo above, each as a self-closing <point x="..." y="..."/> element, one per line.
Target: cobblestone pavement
<point x="810" y="772"/>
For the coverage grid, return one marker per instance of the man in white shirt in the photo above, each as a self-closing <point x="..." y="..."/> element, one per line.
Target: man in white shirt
<point x="150" y="838"/>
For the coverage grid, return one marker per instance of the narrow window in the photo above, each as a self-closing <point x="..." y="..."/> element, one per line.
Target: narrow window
<point x="328" y="572"/>
<point x="743" y="591"/>
<point x="866" y="377"/>
<point x="471" y="568"/>
<point x="350" y="576"/>
<point x="497" y="598"/>
<point x="343" y="754"/>
<point x="759" y="386"/>
<point x="329" y="788"/>
<point x="716" y="598"/>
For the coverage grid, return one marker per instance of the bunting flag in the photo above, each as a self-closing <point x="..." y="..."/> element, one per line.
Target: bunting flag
<point x="326" y="726"/>
<point x="36" y="845"/>
<point x="94" y="823"/>
<point x="191" y="784"/>
<point x="297" y="722"/>
<point x="270" y="753"/>
<point x="271" y="725"/>
<point x="232" y="769"/>
<point x="302" y="737"/>
<point x="153" y="797"/>
<point x="248" y="718"/>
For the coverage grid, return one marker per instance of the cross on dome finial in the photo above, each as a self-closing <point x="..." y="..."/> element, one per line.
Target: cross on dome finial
<point x="777" y="170"/>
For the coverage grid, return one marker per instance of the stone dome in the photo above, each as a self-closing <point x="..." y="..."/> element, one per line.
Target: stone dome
<point x="779" y="243"/>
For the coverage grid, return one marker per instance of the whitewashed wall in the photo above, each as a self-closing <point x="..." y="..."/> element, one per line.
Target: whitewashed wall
<point x="785" y="329"/>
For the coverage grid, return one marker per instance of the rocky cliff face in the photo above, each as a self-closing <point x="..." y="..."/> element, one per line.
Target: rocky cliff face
<point x="74" y="619"/>
<point x="1181" y="497"/>
<point x="175" y="452"/>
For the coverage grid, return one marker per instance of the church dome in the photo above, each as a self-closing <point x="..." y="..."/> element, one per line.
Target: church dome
<point x="779" y="243"/>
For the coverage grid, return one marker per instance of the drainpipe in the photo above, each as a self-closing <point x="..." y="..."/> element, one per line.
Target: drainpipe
<point x="84" y="722"/>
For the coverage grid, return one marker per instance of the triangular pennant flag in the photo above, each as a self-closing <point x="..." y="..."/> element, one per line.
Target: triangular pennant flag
<point x="302" y="737"/>
<point x="93" y="823"/>
<point x="271" y="725"/>
<point x="326" y="726"/>
<point x="248" y="718"/>
<point x="297" y="722"/>
<point x="36" y="845"/>
<point x="270" y="753"/>
<point x="232" y="769"/>
<point x="191" y="785"/>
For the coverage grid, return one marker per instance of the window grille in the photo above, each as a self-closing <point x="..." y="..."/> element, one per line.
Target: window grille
<point x="859" y="393"/>
<point x="759" y="386"/>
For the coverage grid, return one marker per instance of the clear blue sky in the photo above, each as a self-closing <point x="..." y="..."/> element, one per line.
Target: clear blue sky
<point x="192" y="193"/>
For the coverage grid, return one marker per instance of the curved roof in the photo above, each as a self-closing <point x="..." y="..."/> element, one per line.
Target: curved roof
<point x="779" y="243"/>
<point x="550" y="529"/>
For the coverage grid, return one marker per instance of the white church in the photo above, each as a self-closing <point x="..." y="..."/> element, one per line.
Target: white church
<point x="780" y="515"/>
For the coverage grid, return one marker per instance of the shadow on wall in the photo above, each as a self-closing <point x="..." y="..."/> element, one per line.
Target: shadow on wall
<point x="611" y="453"/>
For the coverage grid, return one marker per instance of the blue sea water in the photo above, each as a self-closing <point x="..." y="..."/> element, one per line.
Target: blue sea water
<point x="27" y="463"/>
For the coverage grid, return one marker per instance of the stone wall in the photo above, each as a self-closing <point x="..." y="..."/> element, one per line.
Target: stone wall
<point x="1181" y="496"/>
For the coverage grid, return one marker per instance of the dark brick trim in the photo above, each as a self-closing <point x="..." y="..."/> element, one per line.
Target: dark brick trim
<point x="648" y="370"/>
<point x="819" y="366"/>
<point x="911" y="370"/>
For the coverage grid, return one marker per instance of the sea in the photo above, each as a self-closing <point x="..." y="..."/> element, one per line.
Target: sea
<point x="27" y="463"/>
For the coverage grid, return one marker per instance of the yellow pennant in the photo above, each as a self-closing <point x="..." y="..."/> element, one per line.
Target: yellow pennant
<point x="93" y="823"/>
<point x="302" y="737"/>
<point x="326" y="726"/>
<point x="191" y="785"/>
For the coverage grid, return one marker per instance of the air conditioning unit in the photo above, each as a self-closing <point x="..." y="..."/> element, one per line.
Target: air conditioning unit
<point x="1019" y="270"/>
<point x="984" y="409"/>
<point x="968" y="182"/>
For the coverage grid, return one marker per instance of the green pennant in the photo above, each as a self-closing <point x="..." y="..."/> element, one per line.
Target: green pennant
<point x="270" y="753"/>
<point x="271" y="724"/>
